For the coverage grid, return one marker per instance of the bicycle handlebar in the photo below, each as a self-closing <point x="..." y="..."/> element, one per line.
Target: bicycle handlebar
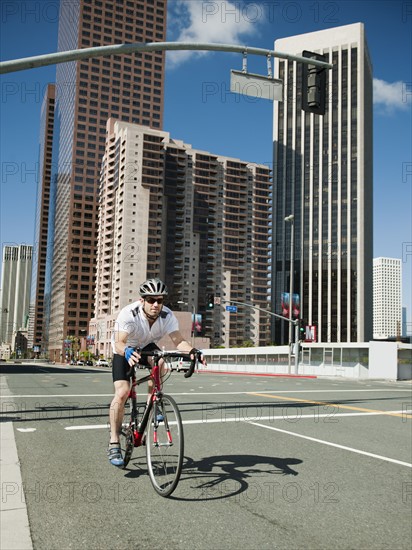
<point x="173" y="354"/>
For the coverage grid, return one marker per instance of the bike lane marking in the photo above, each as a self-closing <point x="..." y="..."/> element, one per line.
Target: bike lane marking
<point x="250" y="420"/>
<point x="334" y="405"/>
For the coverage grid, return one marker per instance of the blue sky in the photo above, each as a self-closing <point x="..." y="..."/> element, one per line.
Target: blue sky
<point x="200" y="110"/>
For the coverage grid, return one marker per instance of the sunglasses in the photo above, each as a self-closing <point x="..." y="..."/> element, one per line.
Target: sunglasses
<point x="154" y="300"/>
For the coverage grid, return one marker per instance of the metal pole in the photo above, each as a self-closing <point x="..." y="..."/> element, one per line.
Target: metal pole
<point x="290" y="219"/>
<point x="193" y="324"/>
<point x="118" y="49"/>
<point x="291" y="294"/>
<point x="297" y="348"/>
<point x="258" y="308"/>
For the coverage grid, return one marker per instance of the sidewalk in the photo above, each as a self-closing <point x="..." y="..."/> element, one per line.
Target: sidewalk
<point x="14" y="521"/>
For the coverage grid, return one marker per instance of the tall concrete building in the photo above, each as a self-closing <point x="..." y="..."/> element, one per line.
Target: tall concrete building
<point x="197" y="220"/>
<point x="88" y="92"/>
<point x="37" y="335"/>
<point x="323" y="177"/>
<point x="387" y="298"/>
<point x="15" y="290"/>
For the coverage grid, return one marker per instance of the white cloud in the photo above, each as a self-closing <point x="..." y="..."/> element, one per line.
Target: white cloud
<point x="391" y="96"/>
<point x="204" y="21"/>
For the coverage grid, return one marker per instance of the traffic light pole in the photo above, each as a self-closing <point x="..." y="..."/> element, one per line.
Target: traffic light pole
<point x="119" y="49"/>
<point x="287" y="319"/>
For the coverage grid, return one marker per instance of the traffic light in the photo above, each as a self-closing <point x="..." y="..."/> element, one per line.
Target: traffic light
<point x="302" y="329"/>
<point x="314" y="85"/>
<point x="211" y="301"/>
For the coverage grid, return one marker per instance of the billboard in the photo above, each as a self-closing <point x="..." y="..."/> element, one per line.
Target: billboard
<point x="197" y="324"/>
<point x="284" y="302"/>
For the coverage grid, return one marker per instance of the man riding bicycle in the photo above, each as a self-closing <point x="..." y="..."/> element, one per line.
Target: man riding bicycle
<point x="139" y="326"/>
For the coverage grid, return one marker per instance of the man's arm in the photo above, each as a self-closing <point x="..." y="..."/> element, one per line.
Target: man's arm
<point x="179" y="342"/>
<point x="183" y="345"/>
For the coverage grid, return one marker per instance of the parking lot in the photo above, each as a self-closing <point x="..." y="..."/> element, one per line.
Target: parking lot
<point x="270" y="462"/>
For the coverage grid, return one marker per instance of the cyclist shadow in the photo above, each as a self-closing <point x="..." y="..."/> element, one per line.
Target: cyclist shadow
<point x="138" y="464"/>
<point x="224" y="476"/>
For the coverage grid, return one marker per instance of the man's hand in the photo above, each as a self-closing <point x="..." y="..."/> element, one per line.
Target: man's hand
<point x="132" y="355"/>
<point x="197" y="354"/>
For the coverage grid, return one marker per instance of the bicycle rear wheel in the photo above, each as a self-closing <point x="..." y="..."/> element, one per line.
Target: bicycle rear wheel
<point x="164" y="446"/>
<point x="127" y="443"/>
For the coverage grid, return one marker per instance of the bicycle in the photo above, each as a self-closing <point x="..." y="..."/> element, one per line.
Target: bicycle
<point x="159" y="427"/>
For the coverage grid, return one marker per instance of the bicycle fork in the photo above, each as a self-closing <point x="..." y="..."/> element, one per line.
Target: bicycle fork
<point x="160" y="410"/>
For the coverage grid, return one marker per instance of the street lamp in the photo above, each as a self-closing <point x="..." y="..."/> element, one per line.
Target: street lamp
<point x="291" y="219"/>
<point x="192" y="332"/>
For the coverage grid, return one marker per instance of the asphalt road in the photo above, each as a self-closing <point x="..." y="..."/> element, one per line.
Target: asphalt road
<point x="270" y="462"/>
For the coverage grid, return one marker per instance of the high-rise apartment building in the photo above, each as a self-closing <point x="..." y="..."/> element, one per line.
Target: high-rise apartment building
<point x="37" y="330"/>
<point x="88" y="92"/>
<point x="197" y="220"/>
<point x="387" y="298"/>
<point x="323" y="176"/>
<point x="15" y="290"/>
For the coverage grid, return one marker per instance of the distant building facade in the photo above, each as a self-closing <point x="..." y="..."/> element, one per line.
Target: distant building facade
<point x="37" y="333"/>
<point x="15" y="290"/>
<point x="323" y="177"/>
<point x="387" y="298"/>
<point x="88" y="92"/>
<point x="197" y="220"/>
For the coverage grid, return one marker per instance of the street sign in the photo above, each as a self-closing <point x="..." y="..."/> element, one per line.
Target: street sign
<point x="310" y="333"/>
<point x="256" y="85"/>
<point x="231" y="309"/>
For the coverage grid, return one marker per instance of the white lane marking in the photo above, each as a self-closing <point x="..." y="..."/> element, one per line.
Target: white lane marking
<point x="26" y="429"/>
<point x="244" y="418"/>
<point x="207" y="393"/>
<point x="344" y="447"/>
<point x="59" y="395"/>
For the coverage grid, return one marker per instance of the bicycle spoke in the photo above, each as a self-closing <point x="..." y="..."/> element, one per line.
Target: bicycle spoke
<point x="164" y="446"/>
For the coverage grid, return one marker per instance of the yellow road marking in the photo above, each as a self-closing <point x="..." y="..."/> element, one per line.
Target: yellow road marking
<point x="338" y="405"/>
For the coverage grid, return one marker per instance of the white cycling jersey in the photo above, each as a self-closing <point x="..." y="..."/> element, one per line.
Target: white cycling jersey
<point x="132" y="320"/>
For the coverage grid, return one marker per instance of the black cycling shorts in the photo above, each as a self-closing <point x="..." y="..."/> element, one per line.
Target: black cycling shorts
<point x="121" y="368"/>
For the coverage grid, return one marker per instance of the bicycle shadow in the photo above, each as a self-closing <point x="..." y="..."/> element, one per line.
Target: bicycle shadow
<point x="224" y="476"/>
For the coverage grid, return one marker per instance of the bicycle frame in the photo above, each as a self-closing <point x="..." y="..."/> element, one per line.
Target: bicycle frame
<point x="139" y="428"/>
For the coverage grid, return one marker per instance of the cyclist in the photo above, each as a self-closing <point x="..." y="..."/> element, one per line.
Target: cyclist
<point x="139" y="326"/>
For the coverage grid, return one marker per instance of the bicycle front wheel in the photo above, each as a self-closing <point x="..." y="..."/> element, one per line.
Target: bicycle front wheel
<point x="164" y="446"/>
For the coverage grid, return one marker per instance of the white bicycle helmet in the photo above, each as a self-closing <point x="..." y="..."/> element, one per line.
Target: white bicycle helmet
<point x="153" y="287"/>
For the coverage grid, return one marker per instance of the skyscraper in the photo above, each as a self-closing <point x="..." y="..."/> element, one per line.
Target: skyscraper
<point x="323" y="176"/>
<point x="37" y="329"/>
<point x="15" y="290"/>
<point x="387" y="298"/>
<point x="198" y="220"/>
<point x="88" y="92"/>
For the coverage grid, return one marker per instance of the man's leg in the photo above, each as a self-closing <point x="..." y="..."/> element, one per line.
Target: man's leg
<point x="121" y="389"/>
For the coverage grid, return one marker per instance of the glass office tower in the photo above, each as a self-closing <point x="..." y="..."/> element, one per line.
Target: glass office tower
<point x="323" y="177"/>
